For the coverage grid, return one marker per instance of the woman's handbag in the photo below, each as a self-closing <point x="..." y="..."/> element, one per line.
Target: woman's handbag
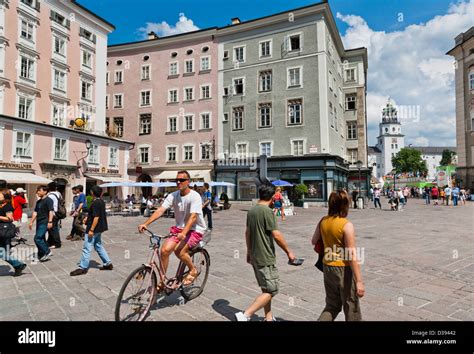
<point x="319" y="249"/>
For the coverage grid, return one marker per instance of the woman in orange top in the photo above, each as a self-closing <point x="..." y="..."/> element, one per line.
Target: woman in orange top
<point x="277" y="200"/>
<point x="342" y="276"/>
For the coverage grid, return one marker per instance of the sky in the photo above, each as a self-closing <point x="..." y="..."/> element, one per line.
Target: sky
<point x="407" y="41"/>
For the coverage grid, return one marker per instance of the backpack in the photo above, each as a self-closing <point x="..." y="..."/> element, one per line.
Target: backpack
<point x="62" y="212"/>
<point x="7" y="232"/>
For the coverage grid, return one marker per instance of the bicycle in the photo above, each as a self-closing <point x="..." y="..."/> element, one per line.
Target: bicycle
<point x="145" y="276"/>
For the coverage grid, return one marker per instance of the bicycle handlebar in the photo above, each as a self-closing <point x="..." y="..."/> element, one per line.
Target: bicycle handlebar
<point x="158" y="236"/>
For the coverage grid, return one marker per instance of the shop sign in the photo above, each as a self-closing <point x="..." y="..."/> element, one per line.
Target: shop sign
<point x="17" y="166"/>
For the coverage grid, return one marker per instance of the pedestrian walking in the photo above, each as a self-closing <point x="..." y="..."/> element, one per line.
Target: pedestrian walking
<point x="427" y="195"/>
<point x="455" y="194"/>
<point x="54" y="237"/>
<point x="96" y="222"/>
<point x="377" y="198"/>
<point x="342" y="276"/>
<point x="447" y="193"/>
<point x="19" y="201"/>
<point x="434" y="195"/>
<point x="7" y="232"/>
<point x="406" y="193"/>
<point x="354" y="198"/>
<point x="277" y="201"/>
<point x="207" y="205"/>
<point x="79" y="200"/>
<point x="43" y="215"/>
<point x="462" y="196"/>
<point x="260" y="235"/>
<point x="441" y="194"/>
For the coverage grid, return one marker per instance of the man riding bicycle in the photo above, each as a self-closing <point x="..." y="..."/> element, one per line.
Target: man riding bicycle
<point x="189" y="229"/>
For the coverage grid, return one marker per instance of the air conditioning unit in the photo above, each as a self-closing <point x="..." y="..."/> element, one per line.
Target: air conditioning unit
<point x="226" y="54"/>
<point x="226" y="117"/>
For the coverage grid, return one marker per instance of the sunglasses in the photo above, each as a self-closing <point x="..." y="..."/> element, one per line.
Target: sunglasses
<point x="181" y="180"/>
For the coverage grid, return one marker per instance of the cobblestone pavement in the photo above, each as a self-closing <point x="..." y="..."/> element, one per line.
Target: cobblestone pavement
<point x="418" y="265"/>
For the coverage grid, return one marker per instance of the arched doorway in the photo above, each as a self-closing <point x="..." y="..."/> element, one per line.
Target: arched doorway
<point x="146" y="191"/>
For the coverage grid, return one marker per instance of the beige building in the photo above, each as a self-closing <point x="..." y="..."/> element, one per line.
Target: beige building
<point x="463" y="52"/>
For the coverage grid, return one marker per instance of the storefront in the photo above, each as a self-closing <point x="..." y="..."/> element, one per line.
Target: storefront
<point x="98" y="176"/>
<point x="321" y="174"/>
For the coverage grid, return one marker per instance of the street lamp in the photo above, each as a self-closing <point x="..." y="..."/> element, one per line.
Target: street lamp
<point x="88" y="147"/>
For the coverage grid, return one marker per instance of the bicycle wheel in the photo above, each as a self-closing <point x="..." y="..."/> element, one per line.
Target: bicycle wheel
<point x="136" y="296"/>
<point x="201" y="261"/>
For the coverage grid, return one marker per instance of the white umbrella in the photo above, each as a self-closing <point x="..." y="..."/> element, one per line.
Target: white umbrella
<point x="221" y="184"/>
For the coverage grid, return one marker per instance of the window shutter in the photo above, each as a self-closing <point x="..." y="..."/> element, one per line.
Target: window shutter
<point x="63" y="149"/>
<point x="27" y="144"/>
<point x="37" y="5"/>
<point x="94" y="38"/>
<point x="68" y="24"/>
<point x="30" y="109"/>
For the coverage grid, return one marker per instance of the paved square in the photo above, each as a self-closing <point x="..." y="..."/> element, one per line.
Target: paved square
<point x="418" y="265"/>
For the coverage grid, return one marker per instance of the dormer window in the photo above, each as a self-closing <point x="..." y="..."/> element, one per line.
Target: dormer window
<point x="60" y="19"/>
<point x="87" y="35"/>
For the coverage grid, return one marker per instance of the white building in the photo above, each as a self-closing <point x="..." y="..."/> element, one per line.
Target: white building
<point x="433" y="155"/>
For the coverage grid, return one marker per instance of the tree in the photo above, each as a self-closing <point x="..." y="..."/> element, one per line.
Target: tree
<point x="447" y="157"/>
<point x="409" y="160"/>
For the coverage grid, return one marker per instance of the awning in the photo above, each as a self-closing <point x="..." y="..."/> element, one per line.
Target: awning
<point x="108" y="179"/>
<point x="195" y="174"/>
<point x="19" y="177"/>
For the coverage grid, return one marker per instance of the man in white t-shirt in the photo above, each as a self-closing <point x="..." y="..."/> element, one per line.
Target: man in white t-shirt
<point x="189" y="228"/>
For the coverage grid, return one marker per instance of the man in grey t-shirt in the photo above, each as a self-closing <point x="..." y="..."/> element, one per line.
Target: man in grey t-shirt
<point x="189" y="228"/>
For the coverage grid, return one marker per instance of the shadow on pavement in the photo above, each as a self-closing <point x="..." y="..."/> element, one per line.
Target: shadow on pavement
<point x="223" y="307"/>
<point x="5" y="271"/>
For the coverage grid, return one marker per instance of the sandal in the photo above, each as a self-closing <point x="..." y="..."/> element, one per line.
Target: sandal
<point x="189" y="279"/>
<point x="160" y="287"/>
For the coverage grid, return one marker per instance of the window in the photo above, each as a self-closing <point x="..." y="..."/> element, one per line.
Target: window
<point x="265" y="81"/>
<point x="205" y="63"/>
<point x="27" y="69"/>
<point x="351" y="101"/>
<point x="118" y="98"/>
<point x="294" y="77"/>
<point x="172" y="124"/>
<point x="265" y="115"/>
<point x="241" y="150"/>
<point x="472" y="120"/>
<point x="239" y="54"/>
<point x="145" y="98"/>
<point x="119" y="77"/>
<point x="239" y="86"/>
<point x="266" y="149"/>
<point x="189" y="66"/>
<point x="59" y="82"/>
<point x="189" y="94"/>
<point x="59" y="117"/>
<point x="25" y="108"/>
<point x="471" y="81"/>
<point x="188" y="153"/>
<point x="188" y="122"/>
<point x="351" y="130"/>
<point x="205" y="91"/>
<point x="93" y="157"/>
<point x="238" y="118"/>
<point x="87" y="35"/>
<point x="23" y="145"/>
<point x="144" y="154"/>
<point x="113" y="156"/>
<point x="60" y="149"/>
<point x="341" y="98"/>
<point x="117" y="127"/>
<point x="205" y="152"/>
<point x="107" y="102"/>
<point x="352" y="155"/>
<point x="294" y="43"/>
<point x="298" y="147"/>
<point x="171" y="153"/>
<point x="87" y="60"/>
<point x="32" y="3"/>
<point x="265" y="49"/>
<point x="146" y="72"/>
<point x="330" y="81"/>
<point x="350" y="75"/>
<point x="295" y="112"/>
<point x="174" y="68"/>
<point x="331" y="115"/>
<point x="145" y="124"/>
<point x="59" y="46"/>
<point x="205" y="121"/>
<point x="86" y="90"/>
<point x="172" y="96"/>
<point x="58" y="18"/>
<point x="27" y="30"/>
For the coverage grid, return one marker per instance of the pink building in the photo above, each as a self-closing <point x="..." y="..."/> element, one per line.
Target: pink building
<point x="162" y="94"/>
<point x="52" y="97"/>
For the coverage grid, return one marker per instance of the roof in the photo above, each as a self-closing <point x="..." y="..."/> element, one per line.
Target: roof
<point x="374" y="150"/>
<point x="93" y="14"/>
<point x="433" y="150"/>
<point x="461" y="38"/>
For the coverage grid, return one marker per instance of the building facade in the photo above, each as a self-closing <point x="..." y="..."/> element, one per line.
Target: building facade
<point x="463" y="52"/>
<point x="432" y="155"/>
<point x="162" y="94"/>
<point x="284" y="80"/>
<point x="52" y="95"/>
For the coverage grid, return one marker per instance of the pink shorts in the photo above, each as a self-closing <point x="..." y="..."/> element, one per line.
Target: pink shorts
<point x="192" y="238"/>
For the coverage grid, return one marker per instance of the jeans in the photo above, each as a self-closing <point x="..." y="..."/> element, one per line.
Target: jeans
<point x="455" y="200"/>
<point x="207" y="212"/>
<point x="40" y="239"/>
<point x="5" y="255"/>
<point x="96" y="243"/>
<point x="54" y="239"/>
<point x="377" y="200"/>
<point x="427" y="199"/>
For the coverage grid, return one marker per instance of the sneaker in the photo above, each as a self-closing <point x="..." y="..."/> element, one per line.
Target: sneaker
<point x="19" y="270"/>
<point x="107" y="267"/>
<point x="46" y="257"/>
<point x="240" y="317"/>
<point x="273" y="319"/>
<point x="78" y="271"/>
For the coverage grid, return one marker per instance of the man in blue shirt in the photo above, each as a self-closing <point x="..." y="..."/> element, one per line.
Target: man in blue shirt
<point x="207" y="205"/>
<point x="455" y="194"/>
<point x="77" y="231"/>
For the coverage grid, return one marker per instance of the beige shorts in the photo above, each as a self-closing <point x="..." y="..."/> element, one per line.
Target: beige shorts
<point x="268" y="279"/>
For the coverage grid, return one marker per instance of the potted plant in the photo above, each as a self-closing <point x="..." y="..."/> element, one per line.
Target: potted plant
<point x="301" y="189"/>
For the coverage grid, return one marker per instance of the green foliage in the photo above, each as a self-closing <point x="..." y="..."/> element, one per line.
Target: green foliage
<point x="447" y="158"/>
<point x="301" y="189"/>
<point x="409" y="160"/>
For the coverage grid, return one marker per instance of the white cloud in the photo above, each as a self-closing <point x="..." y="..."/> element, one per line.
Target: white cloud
<point x="163" y="29"/>
<point x="411" y="67"/>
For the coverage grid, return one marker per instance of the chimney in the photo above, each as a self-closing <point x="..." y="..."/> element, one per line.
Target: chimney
<point x="152" y="35"/>
<point x="235" y="20"/>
